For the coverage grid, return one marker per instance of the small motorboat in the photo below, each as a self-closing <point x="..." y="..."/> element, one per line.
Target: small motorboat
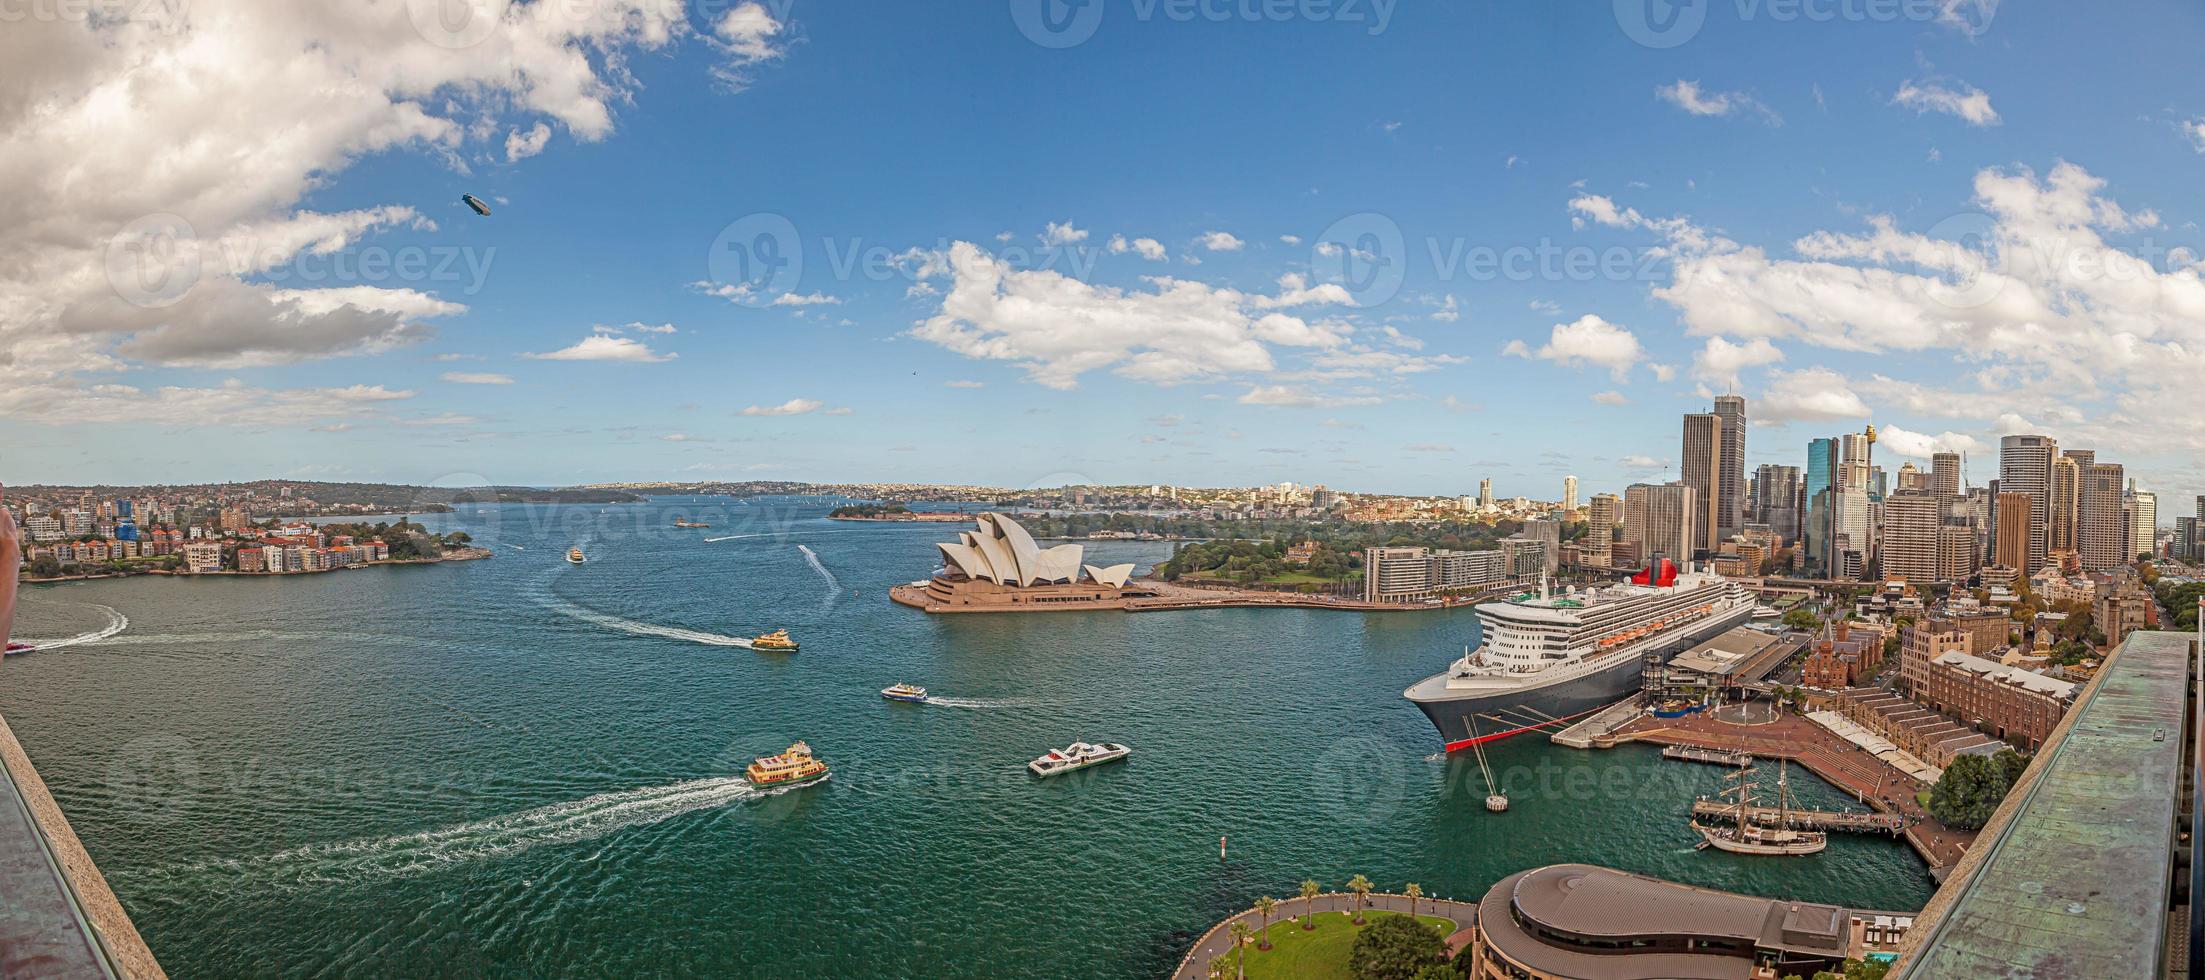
<point x="1078" y="755"/>
<point x="15" y="648"/>
<point x="574" y="556"/>
<point x="905" y="692"/>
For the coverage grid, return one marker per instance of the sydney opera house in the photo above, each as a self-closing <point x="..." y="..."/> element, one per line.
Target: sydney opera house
<point x="997" y="566"/>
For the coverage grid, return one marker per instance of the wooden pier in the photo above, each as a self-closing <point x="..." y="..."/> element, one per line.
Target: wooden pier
<point x="1767" y="816"/>
<point x="1694" y="753"/>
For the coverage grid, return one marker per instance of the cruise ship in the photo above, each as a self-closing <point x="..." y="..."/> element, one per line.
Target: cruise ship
<point x="1550" y="657"/>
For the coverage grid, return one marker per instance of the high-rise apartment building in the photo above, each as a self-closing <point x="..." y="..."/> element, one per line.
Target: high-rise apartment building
<point x="1658" y="519"/>
<point x="2061" y="509"/>
<point x="2143" y="512"/>
<point x="2101" y="524"/>
<point x="1911" y="524"/>
<point x="1603" y="513"/>
<point x="1944" y="474"/>
<point x="1569" y="493"/>
<point x="1702" y="459"/>
<point x="1485" y="493"/>
<point x="2025" y="468"/>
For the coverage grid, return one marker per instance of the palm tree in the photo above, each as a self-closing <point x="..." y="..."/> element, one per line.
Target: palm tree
<point x="1217" y="967"/>
<point x="1310" y="888"/>
<point x="1415" y="892"/>
<point x="1265" y="906"/>
<point x="1361" y="887"/>
<point x="1240" y="948"/>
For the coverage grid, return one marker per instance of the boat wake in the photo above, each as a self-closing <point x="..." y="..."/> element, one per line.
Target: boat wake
<point x="949" y="702"/>
<point x="116" y="623"/>
<point x="411" y="854"/>
<point x="634" y="628"/>
<point x="834" y="588"/>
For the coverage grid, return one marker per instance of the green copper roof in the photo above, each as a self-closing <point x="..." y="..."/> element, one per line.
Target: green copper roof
<point x="2077" y="883"/>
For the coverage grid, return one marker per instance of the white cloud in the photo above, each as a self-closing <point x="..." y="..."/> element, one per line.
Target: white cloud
<point x="225" y="116"/>
<point x="1057" y="327"/>
<point x="1918" y="445"/>
<point x="605" y="347"/>
<point x="1290" y="239"/>
<point x="1586" y="340"/>
<point x="794" y="406"/>
<point x="674" y="437"/>
<point x="1639" y="461"/>
<point x="2195" y="130"/>
<point x="1808" y="395"/>
<point x="1220" y="241"/>
<point x="1062" y="234"/>
<point x="1428" y="447"/>
<point x="1956" y="99"/>
<point x="520" y="145"/>
<point x="652" y="327"/>
<point x="1720" y="361"/>
<point x="1149" y="248"/>
<point x="1686" y="94"/>
<point x="1449" y="310"/>
<point x="806" y="299"/>
<point x="964" y="384"/>
<point x="465" y="378"/>
<point x="1296" y="396"/>
<point x="1610" y="398"/>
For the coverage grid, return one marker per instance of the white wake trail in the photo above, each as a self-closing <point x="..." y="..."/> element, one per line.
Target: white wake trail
<point x="949" y="702"/>
<point x="409" y="854"/>
<point x="635" y="628"/>
<point x="834" y="588"/>
<point x="116" y="623"/>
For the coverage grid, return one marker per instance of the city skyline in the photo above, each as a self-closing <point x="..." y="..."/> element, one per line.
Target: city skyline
<point x="1214" y="334"/>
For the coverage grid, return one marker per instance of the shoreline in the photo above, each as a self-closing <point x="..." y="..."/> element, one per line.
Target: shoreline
<point x="1169" y="597"/>
<point x="459" y="554"/>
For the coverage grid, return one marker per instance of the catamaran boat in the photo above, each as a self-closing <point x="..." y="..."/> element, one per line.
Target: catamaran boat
<point x="1546" y="658"/>
<point x="904" y="692"/>
<point x="1078" y="755"/>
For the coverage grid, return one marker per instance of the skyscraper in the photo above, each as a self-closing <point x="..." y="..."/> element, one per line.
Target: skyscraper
<point x="1730" y="467"/>
<point x="1944" y="474"/>
<point x="1604" y="512"/>
<point x="2143" y="511"/>
<point x="1569" y="493"/>
<point x="2066" y="497"/>
<point x="1658" y="518"/>
<point x="1814" y="530"/>
<point x="2011" y="545"/>
<point x="1912" y="478"/>
<point x="1702" y="461"/>
<point x="1485" y="493"/>
<point x="2101" y="528"/>
<point x="2025" y="468"/>
<point x="1911" y="522"/>
<point x="1777" y="499"/>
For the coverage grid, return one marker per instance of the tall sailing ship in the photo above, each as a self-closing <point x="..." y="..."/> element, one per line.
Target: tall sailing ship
<point x="1748" y="832"/>
<point x="1546" y="658"/>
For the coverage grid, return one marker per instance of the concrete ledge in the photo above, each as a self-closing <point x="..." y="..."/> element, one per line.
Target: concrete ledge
<point x="124" y="949"/>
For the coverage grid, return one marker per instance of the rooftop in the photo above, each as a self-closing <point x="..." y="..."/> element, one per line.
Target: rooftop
<point x="2073" y="875"/>
<point x="2029" y="680"/>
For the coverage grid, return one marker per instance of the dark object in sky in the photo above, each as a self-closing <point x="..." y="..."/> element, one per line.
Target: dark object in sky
<point x="475" y="202"/>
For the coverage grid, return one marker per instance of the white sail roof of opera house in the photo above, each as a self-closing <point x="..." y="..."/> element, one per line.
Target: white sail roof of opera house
<point x="1000" y="551"/>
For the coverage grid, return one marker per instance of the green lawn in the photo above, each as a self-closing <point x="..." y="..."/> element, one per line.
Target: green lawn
<point x="1315" y="954"/>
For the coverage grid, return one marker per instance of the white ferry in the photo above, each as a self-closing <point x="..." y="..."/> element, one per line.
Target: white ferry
<point x="1078" y="755"/>
<point x="1546" y="658"/>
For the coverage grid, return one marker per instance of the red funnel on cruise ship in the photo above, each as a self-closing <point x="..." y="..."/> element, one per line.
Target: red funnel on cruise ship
<point x="1658" y="571"/>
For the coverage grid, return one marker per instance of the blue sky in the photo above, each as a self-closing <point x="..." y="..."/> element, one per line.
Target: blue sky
<point x="1776" y="197"/>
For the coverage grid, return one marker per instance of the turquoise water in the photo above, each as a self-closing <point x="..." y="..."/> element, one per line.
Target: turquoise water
<point x="518" y="767"/>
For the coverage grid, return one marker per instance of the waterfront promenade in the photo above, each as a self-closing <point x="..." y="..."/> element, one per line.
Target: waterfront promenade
<point x="1167" y="596"/>
<point x="1872" y="781"/>
<point x="1219" y="941"/>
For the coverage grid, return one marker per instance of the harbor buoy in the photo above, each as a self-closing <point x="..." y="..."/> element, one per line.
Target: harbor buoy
<point x="1498" y="803"/>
